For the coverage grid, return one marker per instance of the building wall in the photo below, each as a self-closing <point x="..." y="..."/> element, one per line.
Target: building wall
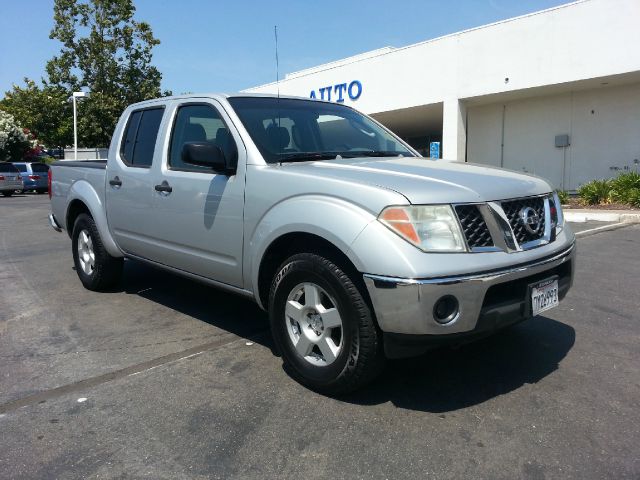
<point x="581" y="40"/>
<point x="608" y="137"/>
<point x="87" y="153"/>
<point x="585" y="39"/>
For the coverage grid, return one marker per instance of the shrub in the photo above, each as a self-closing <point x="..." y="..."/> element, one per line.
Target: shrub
<point x="595" y="192"/>
<point x="633" y="197"/>
<point x="625" y="188"/>
<point x="13" y="141"/>
<point x="563" y="195"/>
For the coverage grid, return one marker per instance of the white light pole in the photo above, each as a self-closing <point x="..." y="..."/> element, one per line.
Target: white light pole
<point x="75" y="121"/>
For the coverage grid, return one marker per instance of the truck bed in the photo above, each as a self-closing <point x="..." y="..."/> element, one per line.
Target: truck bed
<point x="67" y="179"/>
<point x="101" y="164"/>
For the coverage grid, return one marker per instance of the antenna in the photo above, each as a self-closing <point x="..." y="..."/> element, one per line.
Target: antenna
<point x="275" y="32"/>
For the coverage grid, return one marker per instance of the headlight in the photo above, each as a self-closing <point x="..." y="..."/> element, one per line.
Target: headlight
<point x="432" y="228"/>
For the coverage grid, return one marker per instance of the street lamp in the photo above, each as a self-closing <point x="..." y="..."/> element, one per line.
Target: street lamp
<point x="75" y="96"/>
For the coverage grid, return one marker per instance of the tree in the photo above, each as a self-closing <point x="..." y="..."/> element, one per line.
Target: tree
<point x="105" y="49"/>
<point x="45" y="110"/>
<point x="14" y="143"/>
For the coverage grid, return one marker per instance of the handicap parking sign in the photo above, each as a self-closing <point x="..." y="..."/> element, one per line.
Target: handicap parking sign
<point x="434" y="149"/>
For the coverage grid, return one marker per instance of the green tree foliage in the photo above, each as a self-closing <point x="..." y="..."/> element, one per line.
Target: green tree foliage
<point x="45" y="110"/>
<point x="106" y="50"/>
<point x="14" y="143"/>
<point x="103" y="49"/>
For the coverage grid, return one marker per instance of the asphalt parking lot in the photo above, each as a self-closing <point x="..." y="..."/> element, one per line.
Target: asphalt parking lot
<point x="164" y="378"/>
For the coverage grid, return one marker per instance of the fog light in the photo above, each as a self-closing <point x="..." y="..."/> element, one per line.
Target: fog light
<point x="445" y="309"/>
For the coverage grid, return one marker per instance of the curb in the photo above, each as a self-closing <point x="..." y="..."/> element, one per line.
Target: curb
<point x="580" y="216"/>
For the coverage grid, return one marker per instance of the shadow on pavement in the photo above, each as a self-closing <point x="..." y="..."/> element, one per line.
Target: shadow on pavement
<point x="443" y="380"/>
<point x="218" y="308"/>
<point x="448" y="379"/>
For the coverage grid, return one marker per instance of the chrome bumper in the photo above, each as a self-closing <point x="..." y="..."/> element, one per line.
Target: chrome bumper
<point x="404" y="305"/>
<point x="54" y="223"/>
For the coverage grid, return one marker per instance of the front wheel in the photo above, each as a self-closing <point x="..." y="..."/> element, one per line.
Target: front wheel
<point x="96" y="269"/>
<point x="7" y="194"/>
<point x="322" y="326"/>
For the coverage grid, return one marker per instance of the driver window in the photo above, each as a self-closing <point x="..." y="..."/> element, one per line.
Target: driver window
<point x="199" y="123"/>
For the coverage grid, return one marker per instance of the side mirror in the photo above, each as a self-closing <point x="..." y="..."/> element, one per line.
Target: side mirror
<point x="205" y="154"/>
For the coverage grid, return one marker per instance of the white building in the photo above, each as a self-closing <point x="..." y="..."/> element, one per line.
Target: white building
<point x="506" y="94"/>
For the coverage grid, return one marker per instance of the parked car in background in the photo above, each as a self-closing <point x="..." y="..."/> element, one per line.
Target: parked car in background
<point x="57" y="153"/>
<point x="34" y="175"/>
<point x="10" y="179"/>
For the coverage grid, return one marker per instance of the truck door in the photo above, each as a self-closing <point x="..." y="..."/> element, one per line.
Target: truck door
<point x="198" y="213"/>
<point x="129" y="187"/>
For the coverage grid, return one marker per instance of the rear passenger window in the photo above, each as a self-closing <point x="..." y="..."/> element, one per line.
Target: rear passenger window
<point x="21" y="168"/>
<point x="7" y="168"/>
<point x="39" y="168"/>
<point x="140" y="137"/>
<point x="200" y="123"/>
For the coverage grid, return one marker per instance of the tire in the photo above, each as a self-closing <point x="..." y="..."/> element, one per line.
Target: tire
<point x="316" y="352"/>
<point x="7" y="194"/>
<point x="41" y="190"/>
<point x="96" y="269"/>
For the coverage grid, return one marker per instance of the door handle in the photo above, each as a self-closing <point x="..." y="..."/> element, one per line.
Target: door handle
<point x="115" y="182"/>
<point x="164" y="187"/>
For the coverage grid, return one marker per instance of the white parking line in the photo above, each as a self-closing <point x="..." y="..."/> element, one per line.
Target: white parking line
<point x="613" y="226"/>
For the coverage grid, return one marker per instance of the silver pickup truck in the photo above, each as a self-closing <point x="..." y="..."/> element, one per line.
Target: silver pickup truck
<point x="358" y="248"/>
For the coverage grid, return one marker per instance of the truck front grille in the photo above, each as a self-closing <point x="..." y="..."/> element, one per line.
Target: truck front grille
<point x="508" y="225"/>
<point x="514" y="208"/>
<point x="474" y="227"/>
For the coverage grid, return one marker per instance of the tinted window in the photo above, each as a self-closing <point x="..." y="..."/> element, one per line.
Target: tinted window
<point x="8" y="168"/>
<point x="140" y="136"/>
<point x="39" y="168"/>
<point x="129" y="139"/>
<point x="200" y="123"/>
<point x="21" y="167"/>
<point x="146" y="138"/>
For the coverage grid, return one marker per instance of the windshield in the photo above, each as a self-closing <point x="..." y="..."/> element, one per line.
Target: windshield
<point x="290" y="130"/>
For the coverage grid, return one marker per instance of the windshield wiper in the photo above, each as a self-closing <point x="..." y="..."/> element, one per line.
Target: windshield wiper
<point x="372" y="153"/>
<point x="306" y="156"/>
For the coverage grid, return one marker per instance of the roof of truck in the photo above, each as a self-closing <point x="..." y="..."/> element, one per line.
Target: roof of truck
<point x="222" y="96"/>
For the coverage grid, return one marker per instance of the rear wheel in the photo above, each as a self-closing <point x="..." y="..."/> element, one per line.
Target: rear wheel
<point x="96" y="269"/>
<point x="7" y="194"/>
<point x="322" y="326"/>
<point x="41" y="190"/>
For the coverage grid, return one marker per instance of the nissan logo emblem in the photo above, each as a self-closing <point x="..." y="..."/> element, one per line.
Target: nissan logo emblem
<point x="530" y="220"/>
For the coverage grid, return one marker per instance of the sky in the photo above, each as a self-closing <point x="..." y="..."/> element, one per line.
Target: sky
<point x="226" y="46"/>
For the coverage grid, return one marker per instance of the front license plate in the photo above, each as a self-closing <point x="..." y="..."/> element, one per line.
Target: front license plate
<point x="544" y="295"/>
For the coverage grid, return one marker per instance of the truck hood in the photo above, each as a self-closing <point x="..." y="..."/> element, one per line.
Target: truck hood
<point x="424" y="181"/>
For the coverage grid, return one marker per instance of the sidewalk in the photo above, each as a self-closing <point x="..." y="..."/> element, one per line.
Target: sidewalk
<point x="584" y="214"/>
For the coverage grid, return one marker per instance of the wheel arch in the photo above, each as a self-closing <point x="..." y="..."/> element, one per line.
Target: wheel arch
<point x="83" y="198"/>
<point x="74" y="210"/>
<point x="292" y="243"/>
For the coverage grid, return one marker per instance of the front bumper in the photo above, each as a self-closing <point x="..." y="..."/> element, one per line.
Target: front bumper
<point x="486" y="299"/>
